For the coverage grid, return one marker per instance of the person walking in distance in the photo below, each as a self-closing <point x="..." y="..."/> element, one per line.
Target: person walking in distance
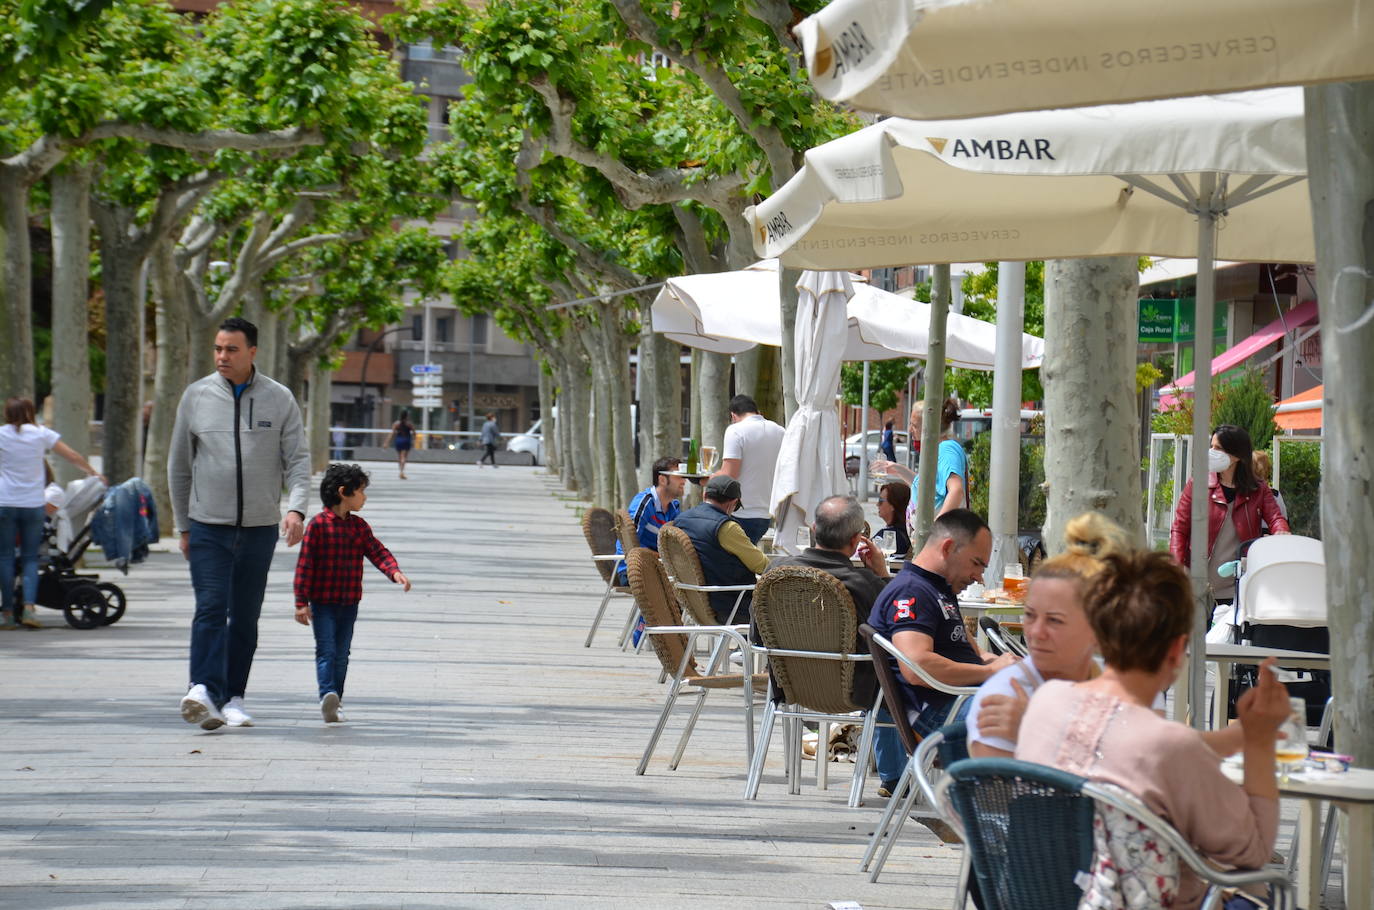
<point x="750" y="455"/>
<point x="238" y="439"/>
<point x="329" y="578"/>
<point x="403" y="437"/>
<point x="491" y="435"/>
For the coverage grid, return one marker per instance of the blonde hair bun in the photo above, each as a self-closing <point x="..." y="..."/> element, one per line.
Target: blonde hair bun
<point x="1088" y="540"/>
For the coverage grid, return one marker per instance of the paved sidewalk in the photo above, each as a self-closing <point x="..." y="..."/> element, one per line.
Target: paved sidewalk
<point x="488" y="761"/>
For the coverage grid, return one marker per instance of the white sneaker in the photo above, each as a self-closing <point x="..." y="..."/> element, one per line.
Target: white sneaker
<point x="329" y="707"/>
<point x="234" y="715"/>
<point x="198" y="708"/>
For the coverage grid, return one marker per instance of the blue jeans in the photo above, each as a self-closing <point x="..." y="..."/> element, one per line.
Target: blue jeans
<point x="754" y="528"/>
<point x="229" y="573"/>
<point x="333" y="627"/>
<point x="888" y="752"/>
<point x="27" y="525"/>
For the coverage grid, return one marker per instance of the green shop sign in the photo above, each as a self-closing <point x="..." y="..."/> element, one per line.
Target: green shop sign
<point x="1172" y="321"/>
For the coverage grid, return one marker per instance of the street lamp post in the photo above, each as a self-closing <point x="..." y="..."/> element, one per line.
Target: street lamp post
<point x="363" y="402"/>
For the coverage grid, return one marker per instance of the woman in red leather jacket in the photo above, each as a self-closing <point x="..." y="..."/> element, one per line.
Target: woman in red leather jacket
<point x="1237" y="501"/>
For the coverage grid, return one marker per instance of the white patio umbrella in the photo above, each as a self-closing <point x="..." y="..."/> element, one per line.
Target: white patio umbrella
<point x="965" y="58"/>
<point x="730" y="312"/>
<point x="810" y="463"/>
<point x="1150" y="178"/>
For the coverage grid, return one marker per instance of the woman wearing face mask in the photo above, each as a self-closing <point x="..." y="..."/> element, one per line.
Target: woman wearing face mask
<point x="1237" y="504"/>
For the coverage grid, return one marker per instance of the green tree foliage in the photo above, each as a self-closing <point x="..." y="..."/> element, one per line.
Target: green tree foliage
<point x="568" y="137"/>
<point x="1030" y="489"/>
<point x="1300" y="475"/>
<point x="1246" y="402"/>
<point x="887" y="379"/>
<point x="980" y="302"/>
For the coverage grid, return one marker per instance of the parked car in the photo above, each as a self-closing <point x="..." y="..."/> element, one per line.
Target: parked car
<point x="531" y="442"/>
<point x="853" y="448"/>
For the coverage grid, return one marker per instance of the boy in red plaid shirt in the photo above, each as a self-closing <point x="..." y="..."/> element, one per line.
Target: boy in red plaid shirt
<point x="329" y="577"/>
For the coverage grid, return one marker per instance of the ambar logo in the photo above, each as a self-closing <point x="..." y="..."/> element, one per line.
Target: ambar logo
<point x="774" y="228"/>
<point x="850" y="47"/>
<point x="1001" y="149"/>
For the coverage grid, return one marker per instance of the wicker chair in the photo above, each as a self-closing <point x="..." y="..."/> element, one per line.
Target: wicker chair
<point x="1029" y="831"/>
<point x="599" y="527"/>
<point x="672" y="642"/>
<point x="629" y="539"/>
<point x="806" y="622"/>
<point x="679" y="556"/>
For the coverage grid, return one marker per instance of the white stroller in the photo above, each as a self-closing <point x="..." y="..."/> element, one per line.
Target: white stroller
<point x="1281" y="603"/>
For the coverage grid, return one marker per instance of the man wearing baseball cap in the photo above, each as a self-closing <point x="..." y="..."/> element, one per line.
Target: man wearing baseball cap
<point x="727" y="557"/>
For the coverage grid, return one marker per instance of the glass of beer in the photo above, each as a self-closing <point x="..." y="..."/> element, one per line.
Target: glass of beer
<point x="1290" y="748"/>
<point x="708" y="459"/>
<point x="1014" y="582"/>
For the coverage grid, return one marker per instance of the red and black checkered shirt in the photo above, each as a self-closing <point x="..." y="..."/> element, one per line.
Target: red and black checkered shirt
<point x="330" y="567"/>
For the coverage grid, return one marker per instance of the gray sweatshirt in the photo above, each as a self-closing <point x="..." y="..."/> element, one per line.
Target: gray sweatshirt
<point x="230" y="458"/>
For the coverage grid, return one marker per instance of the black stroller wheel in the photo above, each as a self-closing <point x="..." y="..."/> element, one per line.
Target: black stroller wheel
<point x="114" y="602"/>
<point x="85" y="607"/>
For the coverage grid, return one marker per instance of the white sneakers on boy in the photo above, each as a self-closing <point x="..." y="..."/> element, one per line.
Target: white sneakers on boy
<point x="329" y="707"/>
<point x="198" y="708"/>
<point x="234" y="715"/>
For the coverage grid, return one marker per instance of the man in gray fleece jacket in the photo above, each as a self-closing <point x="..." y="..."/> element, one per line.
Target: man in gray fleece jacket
<point x="238" y="440"/>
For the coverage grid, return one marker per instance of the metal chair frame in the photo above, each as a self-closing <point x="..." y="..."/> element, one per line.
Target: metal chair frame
<point x="792" y="717"/>
<point x="998" y="638"/>
<point x="653" y="587"/>
<point x="600" y="560"/>
<point x="1114" y="797"/>
<point x="918" y="765"/>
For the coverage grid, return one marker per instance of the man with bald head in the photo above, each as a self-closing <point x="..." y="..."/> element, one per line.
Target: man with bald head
<point x="836" y="533"/>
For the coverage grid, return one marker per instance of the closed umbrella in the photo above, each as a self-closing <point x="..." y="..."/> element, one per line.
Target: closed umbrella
<point x="966" y="58"/>
<point x="810" y="464"/>
<point x="1096" y="181"/>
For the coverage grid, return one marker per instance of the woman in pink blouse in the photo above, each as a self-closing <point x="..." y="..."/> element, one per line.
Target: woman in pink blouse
<point x="1140" y="609"/>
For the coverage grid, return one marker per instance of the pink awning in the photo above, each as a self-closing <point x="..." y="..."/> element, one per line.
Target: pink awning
<point x="1300" y="315"/>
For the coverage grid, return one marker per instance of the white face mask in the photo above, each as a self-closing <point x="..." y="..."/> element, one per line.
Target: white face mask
<point x="1217" y="460"/>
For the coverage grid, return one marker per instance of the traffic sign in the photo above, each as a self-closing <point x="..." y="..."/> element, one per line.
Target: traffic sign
<point x="425" y="401"/>
<point x="422" y="368"/>
<point x="427" y="379"/>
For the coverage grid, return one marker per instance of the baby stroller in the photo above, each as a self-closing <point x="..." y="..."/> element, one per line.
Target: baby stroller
<point x="1281" y="603"/>
<point x="85" y="601"/>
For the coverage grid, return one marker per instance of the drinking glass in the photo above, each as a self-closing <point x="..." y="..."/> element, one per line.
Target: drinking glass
<point x="803" y="537"/>
<point x="886" y="541"/>
<point x="708" y="458"/>
<point x="1290" y="748"/>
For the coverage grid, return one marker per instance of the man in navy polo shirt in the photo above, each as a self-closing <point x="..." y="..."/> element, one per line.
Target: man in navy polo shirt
<point x="919" y="613"/>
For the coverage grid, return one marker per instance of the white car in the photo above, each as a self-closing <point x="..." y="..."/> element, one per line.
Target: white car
<point x="531" y="442"/>
<point x="854" y="448"/>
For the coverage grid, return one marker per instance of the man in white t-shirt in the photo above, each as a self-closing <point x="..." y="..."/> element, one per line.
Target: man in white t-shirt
<point x="750" y="455"/>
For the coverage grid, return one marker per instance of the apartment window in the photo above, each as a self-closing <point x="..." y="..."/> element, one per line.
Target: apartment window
<point x="417" y="327"/>
<point x="479" y="329"/>
<point x="443" y="329"/>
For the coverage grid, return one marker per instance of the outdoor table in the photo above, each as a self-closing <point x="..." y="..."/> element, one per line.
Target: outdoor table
<point x="1353" y="793"/>
<point x="693" y="476"/>
<point x="976" y="609"/>
<point x="1224" y="656"/>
